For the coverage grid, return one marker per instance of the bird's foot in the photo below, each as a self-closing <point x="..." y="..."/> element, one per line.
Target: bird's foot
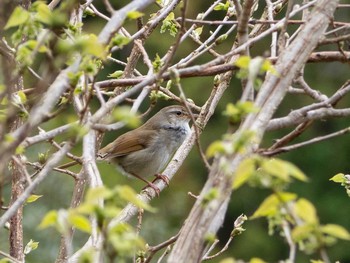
<point x="162" y="177"/>
<point x="154" y="187"/>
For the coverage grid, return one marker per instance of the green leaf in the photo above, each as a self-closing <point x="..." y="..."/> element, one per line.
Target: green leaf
<point x="120" y="40"/>
<point x="257" y="260"/>
<point x="44" y="13"/>
<point x="18" y="17"/>
<point x="267" y="208"/>
<point x="169" y="24"/>
<point x="221" y="39"/>
<point x="89" y="44"/>
<point x="129" y="195"/>
<point x="227" y="260"/>
<point x="336" y="231"/>
<point x="125" y="115"/>
<point x="243" y="62"/>
<point x="295" y="172"/>
<point x="268" y="67"/>
<point x="277" y="168"/>
<point x="20" y="149"/>
<point x="80" y="222"/>
<point x="306" y="211"/>
<point x="197" y="32"/>
<point x="212" y="194"/>
<point x="157" y="63"/>
<point x="244" y="171"/>
<point x="215" y="148"/>
<point x="316" y="261"/>
<point x="116" y="74"/>
<point x="33" y="198"/>
<point x="338" y="178"/>
<point x="302" y="232"/>
<point x="31" y="245"/>
<point x="134" y="14"/>
<point x="222" y="7"/>
<point x="49" y="219"/>
<point x="270" y="205"/>
<point x="22" y="96"/>
<point x="94" y="194"/>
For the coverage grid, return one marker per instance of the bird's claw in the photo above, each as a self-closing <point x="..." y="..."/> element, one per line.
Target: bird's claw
<point x="162" y="177"/>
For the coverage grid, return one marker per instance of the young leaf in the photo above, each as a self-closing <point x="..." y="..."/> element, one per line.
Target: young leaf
<point x="18" y="17"/>
<point x="49" y="219"/>
<point x="295" y="172"/>
<point x="277" y="168"/>
<point x="306" y="211"/>
<point x="116" y="74"/>
<point x="129" y="195"/>
<point x="33" y="198"/>
<point x="269" y="206"/>
<point x="336" y="231"/>
<point x="80" y="222"/>
<point x="215" y="148"/>
<point x="338" y="178"/>
<point x="134" y="14"/>
<point x="244" y="171"/>
<point x="301" y="232"/>
<point x="31" y="245"/>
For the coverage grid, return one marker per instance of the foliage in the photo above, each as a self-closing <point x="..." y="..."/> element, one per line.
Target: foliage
<point x="74" y="73"/>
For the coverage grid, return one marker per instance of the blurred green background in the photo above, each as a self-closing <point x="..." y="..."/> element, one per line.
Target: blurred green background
<point x="319" y="161"/>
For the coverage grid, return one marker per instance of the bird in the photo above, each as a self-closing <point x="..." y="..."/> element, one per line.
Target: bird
<point x="146" y="150"/>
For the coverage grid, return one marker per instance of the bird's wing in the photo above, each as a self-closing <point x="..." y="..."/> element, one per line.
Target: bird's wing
<point x="126" y="143"/>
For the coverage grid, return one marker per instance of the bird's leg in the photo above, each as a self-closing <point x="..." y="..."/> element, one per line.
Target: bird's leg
<point x="162" y="177"/>
<point x="152" y="185"/>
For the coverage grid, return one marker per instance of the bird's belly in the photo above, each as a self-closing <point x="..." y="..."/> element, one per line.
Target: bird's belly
<point x="145" y="163"/>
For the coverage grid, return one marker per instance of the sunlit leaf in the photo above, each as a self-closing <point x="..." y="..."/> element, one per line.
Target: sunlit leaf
<point x="33" y="198"/>
<point x="338" y="178"/>
<point x="49" y="219"/>
<point x="134" y="14"/>
<point x="257" y="260"/>
<point x="244" y="171"/>
<point x="302" y="232"/>
<point x="215" y="148"/>
<point x="116" y="74"/>
<point x="22" y="96"/>
<point x="271" y="204"/>
<point x="306" y="211"/>
<point x="336" y="231"/>
<point x="243" y="62"/>
<point x="277" y="168"/>
<point x="267" y="208"/>
<point x="94" y="194"/>
<point x="124" y="114"/>
<point x="18" y="17"/>
<point x="129" y="195"/>
<point x="31" y="245"/>
<point x="44" y="14"/>
<point x="295" y="172"/>
<point x="227" y="260"/>
<point x="80" y="222"/>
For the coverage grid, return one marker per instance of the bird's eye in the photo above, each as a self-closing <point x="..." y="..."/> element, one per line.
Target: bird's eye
<point x="178" y="113"/>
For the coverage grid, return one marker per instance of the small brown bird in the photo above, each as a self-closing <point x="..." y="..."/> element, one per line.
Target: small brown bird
<point x="146" y="151"/>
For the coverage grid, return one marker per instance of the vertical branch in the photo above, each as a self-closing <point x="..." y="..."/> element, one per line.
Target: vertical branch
<point x="18" y="184"/>
<point x="205" y="215"/>
<point x="242" y="32"/>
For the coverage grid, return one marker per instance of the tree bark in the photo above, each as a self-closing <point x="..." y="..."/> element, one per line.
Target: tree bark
<point x="205" y="217"/>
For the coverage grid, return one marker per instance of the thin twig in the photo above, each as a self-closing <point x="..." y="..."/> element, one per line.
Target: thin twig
<point x="302" y="144"/>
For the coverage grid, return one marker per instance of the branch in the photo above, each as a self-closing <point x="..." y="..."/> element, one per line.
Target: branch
<point x="191" y="242"/>
<point x="302" y="144"/>
<point x="51" y="163"/>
